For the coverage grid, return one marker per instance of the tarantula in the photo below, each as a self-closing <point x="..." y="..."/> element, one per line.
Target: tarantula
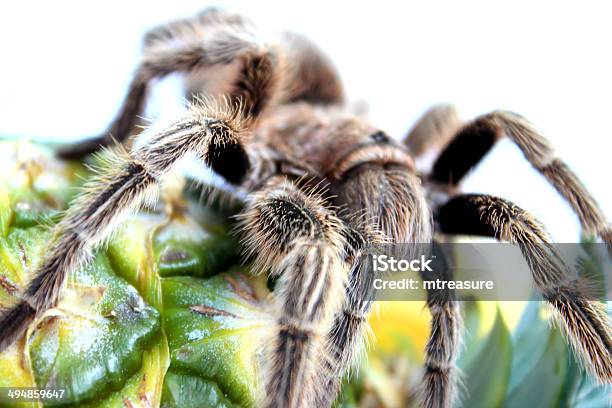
<point x="319" y="185"/>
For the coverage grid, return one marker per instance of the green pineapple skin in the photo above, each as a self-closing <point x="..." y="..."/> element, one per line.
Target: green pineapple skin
<point x="111" y="341"/>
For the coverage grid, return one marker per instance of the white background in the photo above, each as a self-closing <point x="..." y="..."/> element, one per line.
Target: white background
<point x="65" y="66"/>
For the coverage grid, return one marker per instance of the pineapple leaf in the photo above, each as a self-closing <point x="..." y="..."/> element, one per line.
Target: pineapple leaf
<point x="486" y="375"/>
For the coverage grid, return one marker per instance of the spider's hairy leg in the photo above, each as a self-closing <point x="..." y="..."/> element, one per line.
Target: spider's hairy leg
<point x="296" y="237"/>
<point x="477" y="138"/>
<point x="439" y="384"/>
<point x="312" y="76"/>
<point x="385" y="204"/>
<point x="348" y="332"/>
<point x="125" y="181"/>
<point x="583" y="319"/>
<point x="433" y="130"/>
<point x="200" y="44"/>
<point x="171" y="30"/>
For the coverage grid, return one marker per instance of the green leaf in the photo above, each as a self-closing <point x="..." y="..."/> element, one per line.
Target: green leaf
<point x="530" y="343"/>
<point x="486" y="376"/>
<point x="544" y="370"/>
<point x="471" y="326"/>
<point x="541" y="386"/>
<point x="582" y="391"/>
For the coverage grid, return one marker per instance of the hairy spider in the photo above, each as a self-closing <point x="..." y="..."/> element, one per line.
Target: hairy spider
<point x="280" y="136"/>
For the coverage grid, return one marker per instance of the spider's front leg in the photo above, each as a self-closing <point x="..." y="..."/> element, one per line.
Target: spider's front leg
<point x="295" y="236"/>
<point x="122" y="185"/>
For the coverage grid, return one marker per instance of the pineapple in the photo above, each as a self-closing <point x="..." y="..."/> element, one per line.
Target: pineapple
<point x="166" y="315"/>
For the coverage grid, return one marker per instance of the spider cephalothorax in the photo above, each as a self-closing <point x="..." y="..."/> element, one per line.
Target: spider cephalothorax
<point x="319" y="184"/>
